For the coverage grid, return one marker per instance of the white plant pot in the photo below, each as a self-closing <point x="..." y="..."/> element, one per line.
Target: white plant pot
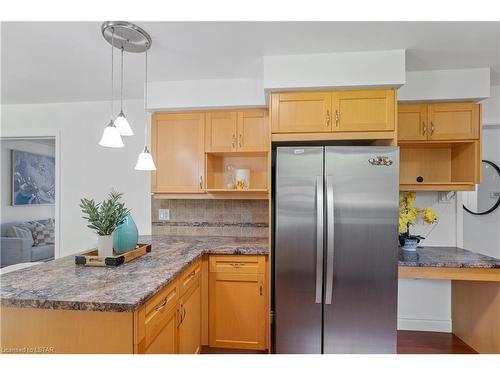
<point x="105" y="246"/>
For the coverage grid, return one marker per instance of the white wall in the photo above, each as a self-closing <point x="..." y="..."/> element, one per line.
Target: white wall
<point x="482" y="233"/>
<point x="86" y="169"/>
<point x="491" y="107"/>
<point x="425" y="305"/>
<point x="10" y="213"/>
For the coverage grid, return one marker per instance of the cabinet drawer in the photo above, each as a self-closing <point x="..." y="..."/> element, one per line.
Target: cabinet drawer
<point x="189" y="277"/>
<point x="159" y="309"/>
<point x="237" y="263"/>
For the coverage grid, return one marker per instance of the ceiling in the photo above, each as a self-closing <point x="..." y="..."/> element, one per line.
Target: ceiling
<point x="70" y="61"/>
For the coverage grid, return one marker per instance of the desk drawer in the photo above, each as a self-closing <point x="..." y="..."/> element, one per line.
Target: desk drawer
<point x="237" y="263"/>
<point x="189" y="277"/>
<point x="158" y="310"/>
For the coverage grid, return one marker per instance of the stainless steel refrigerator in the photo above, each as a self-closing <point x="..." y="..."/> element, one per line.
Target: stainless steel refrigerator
<point x="336" y="249"/>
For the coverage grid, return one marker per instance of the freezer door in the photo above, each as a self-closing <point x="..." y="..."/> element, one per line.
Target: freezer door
<point x="298" y="250"/>
<point x="362" y="197"/>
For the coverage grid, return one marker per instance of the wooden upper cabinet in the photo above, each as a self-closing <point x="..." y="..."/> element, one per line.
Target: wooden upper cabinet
<point x="412" y="122"/>
<point x="253" y="130"/>
<point x="237" y="131"/>
<point x="178" y="150"/>
<point x="454" y="121"/>
<point x="220" y="131"/>
<point x="363" y="110"/>
<point x="302" y="112"/>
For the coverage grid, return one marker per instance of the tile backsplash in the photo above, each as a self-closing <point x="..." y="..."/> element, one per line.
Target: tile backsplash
<point x="215" y="217"/>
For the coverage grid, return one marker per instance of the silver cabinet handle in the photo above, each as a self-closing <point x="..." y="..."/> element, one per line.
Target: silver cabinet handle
<point x="328" y="118"/>
<point x="337" y="118"/>
<point x="424" y="128"/>
<point x="240" y="142"/>
<point x="432" y="128"/>
<point x="330" y="241"/>
<point x="201" y="182"/>
<point x="319" y="239"/>
<point x="234" y="141"/>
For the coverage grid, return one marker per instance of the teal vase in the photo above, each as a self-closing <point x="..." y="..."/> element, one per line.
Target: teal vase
<point x="125" y="236"/>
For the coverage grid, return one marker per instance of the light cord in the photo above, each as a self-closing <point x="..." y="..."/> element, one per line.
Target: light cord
<point x="112" y="71"/>
<point x="146" y="101"/>
<point x="121" y="86"/>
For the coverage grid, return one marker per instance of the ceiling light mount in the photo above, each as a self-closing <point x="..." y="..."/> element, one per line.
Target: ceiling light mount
<point x="128" y="36"/>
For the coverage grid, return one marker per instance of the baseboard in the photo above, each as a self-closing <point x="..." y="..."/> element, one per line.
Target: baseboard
<point x="424" y="325"/>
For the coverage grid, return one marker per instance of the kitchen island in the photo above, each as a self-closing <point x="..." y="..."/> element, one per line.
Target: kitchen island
<point x="475" y="294"/>
<point x="66" y="308"/>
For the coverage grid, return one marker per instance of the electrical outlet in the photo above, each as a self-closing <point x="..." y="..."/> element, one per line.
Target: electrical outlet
<point x="164" y="214"/>
<point x="445" y="197"/>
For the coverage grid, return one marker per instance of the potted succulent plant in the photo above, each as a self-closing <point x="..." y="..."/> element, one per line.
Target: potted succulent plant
<point x="408" y="213"/>
<point x="103" y="218"/>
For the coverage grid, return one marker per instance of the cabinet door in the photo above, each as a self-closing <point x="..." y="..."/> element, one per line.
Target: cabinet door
<point x="363" y="110"/>
<point x="190" y="326"/>
<point x="253" y="130"/>
<point x="412" y="122"/>
<point x="166" y="340"/>
<point x="178" y="150"/>
<point x="304" y="112"/>
<point x="220" y="131"/>
<point x="237" y="310"/>
<point x="454" y="121"/>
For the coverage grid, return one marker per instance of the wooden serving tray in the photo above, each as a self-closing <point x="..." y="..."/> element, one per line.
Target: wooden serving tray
<point x="90" y="258"/>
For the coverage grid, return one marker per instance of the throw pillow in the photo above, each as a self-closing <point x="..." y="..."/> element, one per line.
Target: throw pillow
<point x="50" y="225"/>
<point x="41" y="234"/>
<point x="15" y="231"/>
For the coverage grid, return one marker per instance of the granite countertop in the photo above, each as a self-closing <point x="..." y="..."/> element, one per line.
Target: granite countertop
<point x="60" y="284"/>
<point x="446" y="257"/>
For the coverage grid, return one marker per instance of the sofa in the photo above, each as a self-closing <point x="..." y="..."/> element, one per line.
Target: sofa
<point x="22" y="250"/>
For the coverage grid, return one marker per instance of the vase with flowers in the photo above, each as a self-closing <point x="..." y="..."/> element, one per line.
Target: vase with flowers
<point x="408" y="214"/>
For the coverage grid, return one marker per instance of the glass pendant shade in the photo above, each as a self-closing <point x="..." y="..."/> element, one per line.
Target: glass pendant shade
<point x="145" y="161"/>
<point x="111" y="137"/>
<point x="123" y="126"/>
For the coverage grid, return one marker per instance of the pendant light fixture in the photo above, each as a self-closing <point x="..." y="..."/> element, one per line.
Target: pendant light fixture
<point x="145" y="160"/>
<point x="121" y="121"/>
<point x="127" y="37"/>
<point x="111" y="136"/>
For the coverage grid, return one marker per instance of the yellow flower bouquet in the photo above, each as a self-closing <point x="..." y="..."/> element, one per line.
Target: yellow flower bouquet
<point x="408" y="213"/>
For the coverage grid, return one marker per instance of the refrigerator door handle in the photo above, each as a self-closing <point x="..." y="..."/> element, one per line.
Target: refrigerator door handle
<point x="319" y="239"/>
<point x="330" y="239"/>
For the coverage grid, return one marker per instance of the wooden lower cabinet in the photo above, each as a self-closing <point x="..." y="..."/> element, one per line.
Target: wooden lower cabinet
<point x="190" y="325"/>
<point x="237" y="302"/>
<point x="166" y="340"/>
<point x="171" y="320"/>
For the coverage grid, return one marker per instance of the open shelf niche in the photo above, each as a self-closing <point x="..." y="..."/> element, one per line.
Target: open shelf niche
<point x="445" y="166"/>
<point x="257" y="162"/>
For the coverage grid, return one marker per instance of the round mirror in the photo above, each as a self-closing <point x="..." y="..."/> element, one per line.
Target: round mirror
<point x="486" y="197"/>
